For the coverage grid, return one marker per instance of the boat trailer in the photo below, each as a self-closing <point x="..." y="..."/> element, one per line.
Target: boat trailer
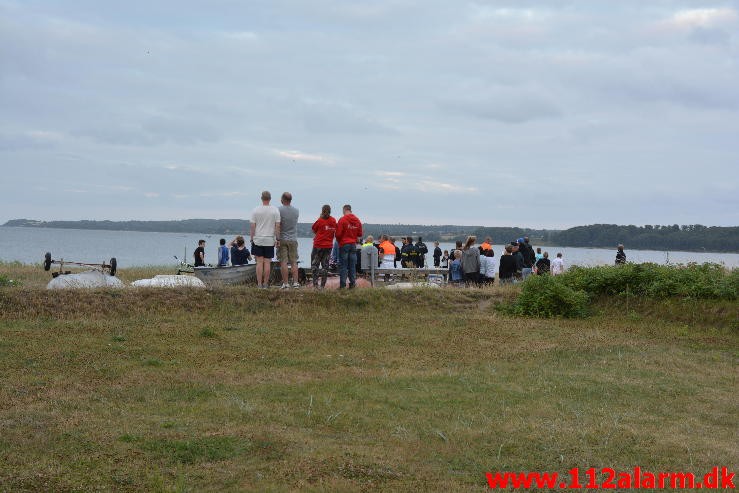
<point x="111" y="266"/>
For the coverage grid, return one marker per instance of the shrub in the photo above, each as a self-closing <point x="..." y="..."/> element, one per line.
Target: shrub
<point x="546" y="296"/>
<point x="706" y="281"/>
<point x="567" y="295"/>
<point x="4" y="281"/>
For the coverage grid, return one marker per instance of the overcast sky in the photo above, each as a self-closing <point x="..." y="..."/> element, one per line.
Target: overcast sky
<point x="500" y="113"/>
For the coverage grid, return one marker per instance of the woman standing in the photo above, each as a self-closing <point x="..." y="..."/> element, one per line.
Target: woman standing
<point x="471" y="262"/>
<point x="507" y="266"/>
<point x="325" y="231"/>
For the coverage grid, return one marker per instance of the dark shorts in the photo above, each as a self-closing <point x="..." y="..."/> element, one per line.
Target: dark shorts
<point x="263" y="251"/>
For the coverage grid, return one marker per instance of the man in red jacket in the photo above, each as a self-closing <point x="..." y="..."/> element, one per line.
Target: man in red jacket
<point x="348" y="231"/>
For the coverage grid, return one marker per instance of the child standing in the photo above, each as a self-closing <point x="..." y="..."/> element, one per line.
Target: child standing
<point x="199" y="254"/>
<point x="456" y="272"/>
<point x="223" y="254"/>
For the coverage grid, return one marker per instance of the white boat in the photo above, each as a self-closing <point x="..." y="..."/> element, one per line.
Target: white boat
<point x="87" y="279"/>
<point x="232" y="274"/>
<point x="169" y="281"/>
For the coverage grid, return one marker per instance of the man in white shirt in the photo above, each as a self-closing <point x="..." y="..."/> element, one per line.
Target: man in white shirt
<point x="558" y="265"/>
<point x="265" y="234"/>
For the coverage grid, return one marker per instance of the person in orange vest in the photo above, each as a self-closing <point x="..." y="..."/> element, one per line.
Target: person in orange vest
<point x="387" y="250"/>
<point x="487" y="244"/>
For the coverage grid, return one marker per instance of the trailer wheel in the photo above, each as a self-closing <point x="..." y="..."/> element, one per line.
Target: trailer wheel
<point x="113" y="266"/>
<point x="47" y="261"/>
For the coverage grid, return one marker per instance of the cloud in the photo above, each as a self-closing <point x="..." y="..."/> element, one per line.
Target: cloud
<point x="304" y="156"/>
<point x="30" y="139"/>
<point x="339" y="101"/>
<point x="437" y="186"/>
<point x="151" y="131"/>
<point x="707" y="18"/>
<point x="505" y="106"/>
<point x="341" y="118"/>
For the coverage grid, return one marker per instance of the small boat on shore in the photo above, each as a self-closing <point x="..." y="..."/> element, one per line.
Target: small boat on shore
<point x="233" y="274"/>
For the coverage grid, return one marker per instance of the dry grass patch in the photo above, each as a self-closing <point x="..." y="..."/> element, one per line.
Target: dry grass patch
<point x="237" y="389"/>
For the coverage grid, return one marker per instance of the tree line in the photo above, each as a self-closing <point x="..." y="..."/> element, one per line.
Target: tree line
<point x="692" y="237"/>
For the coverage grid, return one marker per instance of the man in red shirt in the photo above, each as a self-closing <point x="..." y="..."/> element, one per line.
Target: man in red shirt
<point x="323" y="242"/>
<point x="348" y="232"/>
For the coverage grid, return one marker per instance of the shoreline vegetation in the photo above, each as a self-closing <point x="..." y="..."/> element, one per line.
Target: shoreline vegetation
<point x="239" y="389"/>
<point x="695" y="238"/>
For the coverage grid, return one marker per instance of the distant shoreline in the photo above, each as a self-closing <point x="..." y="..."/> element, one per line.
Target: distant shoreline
<point x="691" y="238"/>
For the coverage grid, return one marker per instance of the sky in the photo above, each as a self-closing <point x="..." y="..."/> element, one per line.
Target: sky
<point x="493" y="113"/>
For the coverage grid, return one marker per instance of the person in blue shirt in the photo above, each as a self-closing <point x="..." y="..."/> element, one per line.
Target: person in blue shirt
<point x="223" y="254"/>
<point x="455" y="269"/>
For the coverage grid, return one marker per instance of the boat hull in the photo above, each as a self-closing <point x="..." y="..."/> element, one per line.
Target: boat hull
<point x="237" y="274"/>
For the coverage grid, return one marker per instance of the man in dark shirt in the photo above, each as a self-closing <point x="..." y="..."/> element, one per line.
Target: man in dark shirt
<point x="409" y="253"/>
<point x="437" y="254"/>
<point x="200" y="254"/>
<point x="422" y="250"/>
<point x="518" y="258"/>
<point x="528" y="255"/>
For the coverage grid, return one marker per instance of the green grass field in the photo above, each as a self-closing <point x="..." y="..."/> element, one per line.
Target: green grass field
<point x="239" y="389"/>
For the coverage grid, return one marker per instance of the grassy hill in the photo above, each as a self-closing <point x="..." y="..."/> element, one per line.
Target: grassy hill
<point x="238" y="389"/>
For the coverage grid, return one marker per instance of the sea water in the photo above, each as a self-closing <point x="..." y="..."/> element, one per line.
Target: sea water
<point x="133" y="248"/>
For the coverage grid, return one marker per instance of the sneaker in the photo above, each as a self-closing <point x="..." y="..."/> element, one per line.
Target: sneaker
<point x="296" y="285"/>
<point x="284" y="286"/>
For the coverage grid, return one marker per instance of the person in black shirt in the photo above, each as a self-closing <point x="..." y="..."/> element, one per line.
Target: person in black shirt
<point x="199" y="254"/>
<point x="518" y="258"/>
<point x="620" y="256"/>
<point x="408" y="253"/>
<point x="240" y="255"/>
<point x="507" y="266"/>
<point x="422" y="250"/>
<point x="437" y="254"/>
<point x="543" y="264"/>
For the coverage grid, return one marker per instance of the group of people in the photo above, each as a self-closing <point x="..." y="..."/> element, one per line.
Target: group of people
<point x="477" y="265"/>
<point x="273" y="230"/>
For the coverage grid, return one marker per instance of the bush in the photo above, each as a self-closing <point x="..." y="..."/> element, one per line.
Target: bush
<point x="546" y="296"/>
<point x="568" y="295"/>
<point x="705" y="281"/>
<point x="4" y="281"/>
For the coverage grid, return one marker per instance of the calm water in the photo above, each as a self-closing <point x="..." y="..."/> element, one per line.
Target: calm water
<point x="130" y="248"/>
